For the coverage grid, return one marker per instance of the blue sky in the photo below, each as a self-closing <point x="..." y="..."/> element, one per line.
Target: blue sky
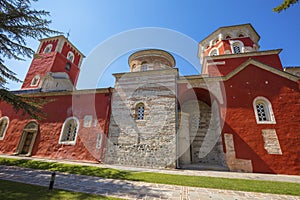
<point x="92" y="22"/>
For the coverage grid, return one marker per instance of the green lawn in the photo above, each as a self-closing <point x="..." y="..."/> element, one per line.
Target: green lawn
<point x="13" y="190"/>
<point x="195" y="181"/>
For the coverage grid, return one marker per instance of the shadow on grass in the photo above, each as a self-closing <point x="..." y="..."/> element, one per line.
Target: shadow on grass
<point x="68" y="168"/>
<point x="172" y="179"/>
<point x="71" y="182"/>
<point x="15" y="191"/>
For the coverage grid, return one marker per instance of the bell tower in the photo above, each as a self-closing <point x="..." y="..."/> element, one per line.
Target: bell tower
<point x="55" y="66"/>
<point x="228" y="47"/>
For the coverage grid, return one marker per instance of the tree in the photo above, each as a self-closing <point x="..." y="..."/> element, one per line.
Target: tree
<point x="284" y="5"/>
<point x="17" y="23"/>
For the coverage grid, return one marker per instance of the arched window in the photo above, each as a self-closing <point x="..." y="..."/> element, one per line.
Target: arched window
<point x="140" y="111"/>
<point x="68" y="66"/>
<point x="4" y="121"/>
<point x="144" y="66"/>
<point x="227" y="37"/>
<point x="69" y="131"/>
<point x="237" y="46"/>
<point x="35" y="80"/>
<point x="241" y="34"/>
<point x="263" y="111"/>
<point x="70" y="56"/>
<point x="48" y="48"/>
<point x="214" y="52"/>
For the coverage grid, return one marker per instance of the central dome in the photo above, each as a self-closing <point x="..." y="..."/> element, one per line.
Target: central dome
<point x="150" y="59"/>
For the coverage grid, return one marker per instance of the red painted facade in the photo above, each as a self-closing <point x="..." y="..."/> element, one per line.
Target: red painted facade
<point x="60" y="107"/>
<point x="284" y="94"/>
<point x="231" y="63"/>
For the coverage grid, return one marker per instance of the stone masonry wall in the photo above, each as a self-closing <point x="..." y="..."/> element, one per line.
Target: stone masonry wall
<point x="149" y="142"/>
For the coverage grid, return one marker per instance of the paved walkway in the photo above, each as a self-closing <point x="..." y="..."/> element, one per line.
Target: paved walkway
<point x="141" y="190"/>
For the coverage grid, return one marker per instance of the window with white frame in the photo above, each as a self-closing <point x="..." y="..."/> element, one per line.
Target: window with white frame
<point x="263" y="111"/>
<point x="4" y="121"/>
<point x="237" y="46"/>
<point x="70" y="56"/>
<point x="48" y="48"/>
<point x="214" y="52"/>
<point x="35" y="80"/>
<point x="69" y="131"/>
<point x="140" y="111"/>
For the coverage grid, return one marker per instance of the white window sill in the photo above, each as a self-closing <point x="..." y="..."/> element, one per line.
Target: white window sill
<point x="68" y="143"/>
<point x="265" y="122"/>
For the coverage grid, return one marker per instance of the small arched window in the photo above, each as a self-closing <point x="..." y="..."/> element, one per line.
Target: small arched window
<point x="4" y="121"/>
<point x="70" y="56"/>
<point x="237" y="47"/>
<point x="263" y="111"/>
<point x="214" y="52"/>
<point x="144" y="66"/>
<point x="227" y="37"/>
<point x="35" y="80"/>
<point x="69" y="131"/>
<point x="68" y="66"/>
<point x="48" y="48"/>
<point x="140" y="111"/>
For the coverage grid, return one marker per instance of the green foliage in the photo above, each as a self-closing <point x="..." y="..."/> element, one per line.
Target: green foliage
<point x="15" y="191"/>
<point x="28" y="105"/>
<point x="17" y="23"/>
<point x="284" y="5"/>
<point x="194" y="181"/>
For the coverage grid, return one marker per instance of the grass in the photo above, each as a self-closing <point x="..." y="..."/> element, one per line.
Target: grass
<point x="14" y="191"/>
<point x="195" y="181"/>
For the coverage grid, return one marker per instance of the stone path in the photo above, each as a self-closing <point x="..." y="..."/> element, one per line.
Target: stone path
<point x="127" y="189"/>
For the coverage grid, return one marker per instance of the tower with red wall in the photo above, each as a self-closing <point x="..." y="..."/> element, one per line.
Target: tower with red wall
<point x="55" y="66"/>
<point x="228" y="47"/>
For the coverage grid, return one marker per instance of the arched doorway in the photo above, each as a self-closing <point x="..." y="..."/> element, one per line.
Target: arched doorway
<point x="28" y="138"/>
<point x="199" y="135"/>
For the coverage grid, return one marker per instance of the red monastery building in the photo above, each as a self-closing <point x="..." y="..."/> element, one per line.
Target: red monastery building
<point x="240" y="114"/>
